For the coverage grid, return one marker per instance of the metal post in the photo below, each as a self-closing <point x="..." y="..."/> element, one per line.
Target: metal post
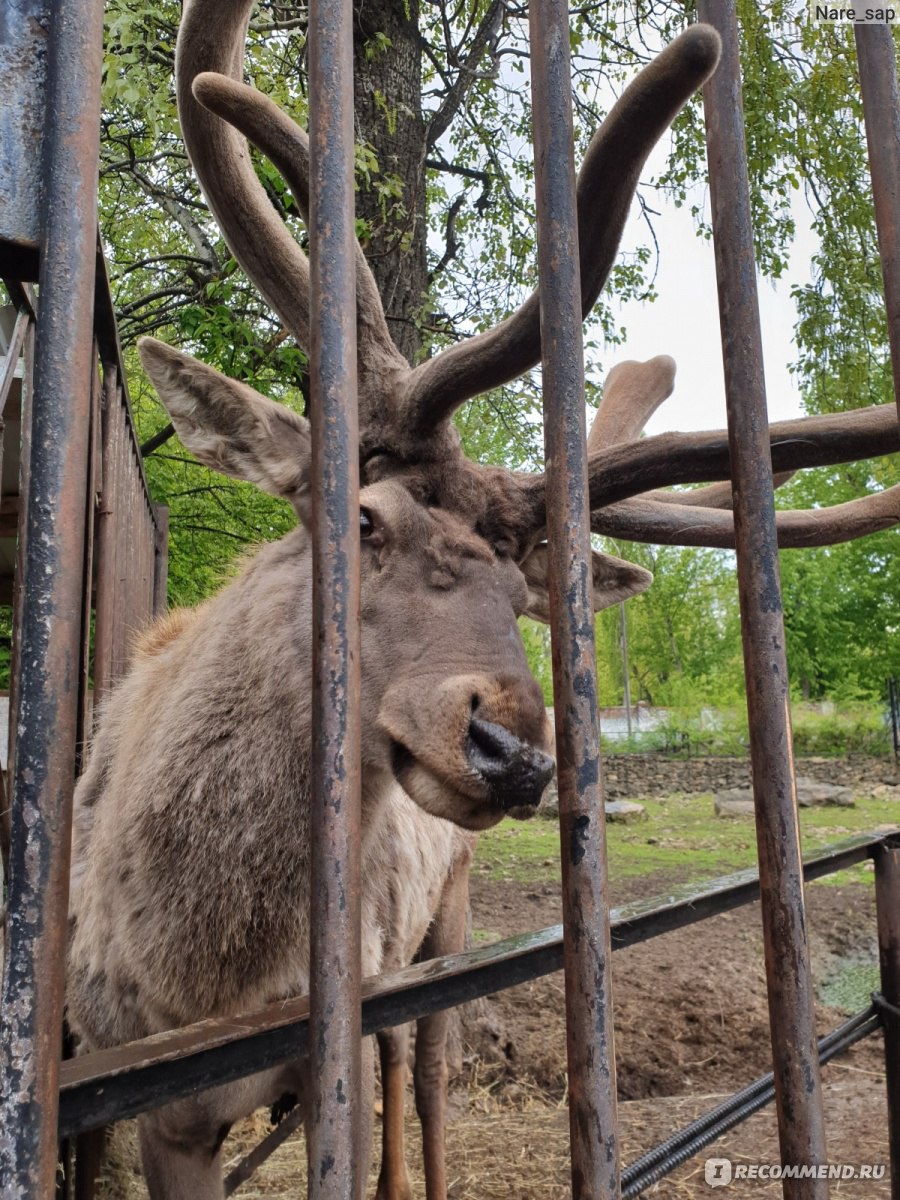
<point x="791" y="1001"/>
<point x="32" y="996"/>
<point x="161" y="559"/>
<point x="881" y="107"/>
<point x="623" y="638"/>
<point x="887" y="900"/>
<point x="589" y="1031"/>
<point x="336" y="1155"/>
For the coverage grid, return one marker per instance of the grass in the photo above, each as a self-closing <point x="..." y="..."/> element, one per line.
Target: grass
<point x="850" y="987"/>
<point x="681" y="838"/>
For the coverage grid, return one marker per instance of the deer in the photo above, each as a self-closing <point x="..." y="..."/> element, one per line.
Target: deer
<point x="190" y="877"/>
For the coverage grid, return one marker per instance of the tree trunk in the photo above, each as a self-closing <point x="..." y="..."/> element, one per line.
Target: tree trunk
<point x="390" y="125"/>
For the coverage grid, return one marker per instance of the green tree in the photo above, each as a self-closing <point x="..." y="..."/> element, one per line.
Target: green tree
<point x="446" y="215"/>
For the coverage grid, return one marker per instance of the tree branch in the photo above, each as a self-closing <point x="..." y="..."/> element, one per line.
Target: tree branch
<point x="485" y="34"/>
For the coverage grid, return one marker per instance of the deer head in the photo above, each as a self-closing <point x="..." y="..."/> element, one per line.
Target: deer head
<point x="453" y="551"/>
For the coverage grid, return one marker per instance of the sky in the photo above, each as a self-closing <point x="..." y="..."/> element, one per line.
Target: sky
<point x="684" y="320"/>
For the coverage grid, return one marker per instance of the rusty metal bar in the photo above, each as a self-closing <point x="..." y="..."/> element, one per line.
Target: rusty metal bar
<point x="32" y="996"/>
<point x="245" y="1168"/>
<point x="161" y="560"/>
<point x="677" y="1149"/>
<point x="887" y="901"/>
<point x="83" y="724"/>
<point x="587" y="950"/>
<point x="109" y="1085"/>
<point x="337" y="1156"/>
<point x="15" y="666"/>
<point x="16" y="342"/>
<point x="876" y="54"/>
<point x="105" y="599"/>
<point x="791" y="1002"/>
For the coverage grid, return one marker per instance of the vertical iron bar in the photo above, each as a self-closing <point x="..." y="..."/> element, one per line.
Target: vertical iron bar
<point x="791" y="1010"/>
<point x="881" y="107"/>
<point x="161" y="560"/>
<point x="15" y="666"/>
<point x="887" y="901"/>
<point x="83" y="726"/>
<point x="589" y="1032"/>
<point x="336" y="1161"/>
<point x="105" y="598"/>
<point x="32" y="998"/>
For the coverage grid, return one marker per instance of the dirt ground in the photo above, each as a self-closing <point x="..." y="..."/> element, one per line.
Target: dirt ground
<point x="691" y="1027"/>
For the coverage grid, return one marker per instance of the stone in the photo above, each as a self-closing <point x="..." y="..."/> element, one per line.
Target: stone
<point x="549" y="806"/>
<point x="625" y="812"/>
<point x="813" y="793"/>
<point x="735" y="802"/>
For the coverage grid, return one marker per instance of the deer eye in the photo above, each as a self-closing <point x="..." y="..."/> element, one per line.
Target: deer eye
<point x="366" y="524"/>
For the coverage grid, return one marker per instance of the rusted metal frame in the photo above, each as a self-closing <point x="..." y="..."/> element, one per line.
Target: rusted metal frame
<point x="83" y="727"/>
<point x="336" y="1124"/>
<point x="133" y="582"/>
<point x="683" y="1145"/>
<point x="21" y="345"/>
<point x="791" y="1000"/>
<point x="106" y="607"/>
<point x="15" y="666"/>
<point x="587" y="953"/>
<point x="113" y="1084"/>
<point x="876" y="54"/>
<point x="16" y="342"/>
<point x="120" y="533"/>
<point x="887" y="902"/>
<point x="246" y="1167"/>
<point x="23" y="68"/>
<point x="107" y="333"/>
<point x="161" y="560"/>
<point x="21" y="295"/>
<point x="32" y="997"/>
<point x="105" y="594"/>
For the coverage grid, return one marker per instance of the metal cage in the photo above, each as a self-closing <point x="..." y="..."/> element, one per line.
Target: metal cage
<point x="88" y="535"/>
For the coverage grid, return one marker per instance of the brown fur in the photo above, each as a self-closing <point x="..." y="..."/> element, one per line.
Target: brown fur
<point x="191" y="875"/>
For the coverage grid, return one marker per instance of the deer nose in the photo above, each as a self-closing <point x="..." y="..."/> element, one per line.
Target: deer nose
<point x="516" y="772"/>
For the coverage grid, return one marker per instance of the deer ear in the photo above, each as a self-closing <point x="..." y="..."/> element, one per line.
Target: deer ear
<point x="614" y="580"/>
<point x="230" y="427"/>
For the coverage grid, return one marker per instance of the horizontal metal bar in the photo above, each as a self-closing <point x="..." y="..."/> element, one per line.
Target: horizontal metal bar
<point x="110" y="1085"/>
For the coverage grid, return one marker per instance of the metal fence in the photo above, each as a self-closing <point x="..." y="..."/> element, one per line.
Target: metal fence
<point x="79" y="445"/>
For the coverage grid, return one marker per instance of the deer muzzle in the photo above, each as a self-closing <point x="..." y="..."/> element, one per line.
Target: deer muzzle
<point x="516" y="772"/>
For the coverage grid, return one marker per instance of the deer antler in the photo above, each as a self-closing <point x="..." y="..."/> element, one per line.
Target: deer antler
<point x="211" y="38"/>
<point x="632" y="393"/>
<point x="421" y="399"/>
<point x="637" y="467"/>
<point x="379" y="362"/>
<point x="606" y="184"/>
<point x="647" y="520"/>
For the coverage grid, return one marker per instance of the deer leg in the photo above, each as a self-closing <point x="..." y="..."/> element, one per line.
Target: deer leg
<point x="393" y="1179"/>
<point x="367" y="1115"/>
<point x="446" y="936"/>
<point x="176" y="1168"/>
